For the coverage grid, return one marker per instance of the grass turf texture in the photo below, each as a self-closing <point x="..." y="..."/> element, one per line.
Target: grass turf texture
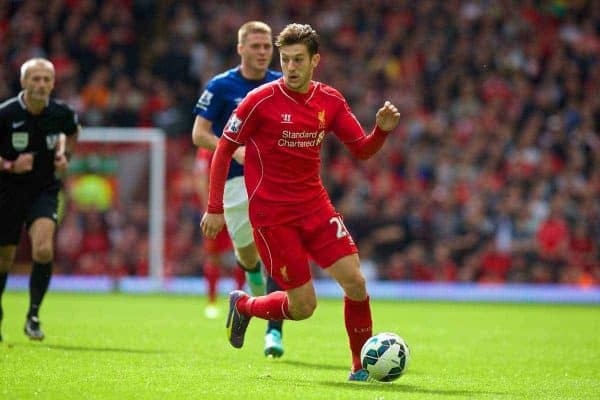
<point x="150" y="347"/>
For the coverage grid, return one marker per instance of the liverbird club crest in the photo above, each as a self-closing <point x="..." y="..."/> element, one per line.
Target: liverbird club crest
<point x="321" y="116"/>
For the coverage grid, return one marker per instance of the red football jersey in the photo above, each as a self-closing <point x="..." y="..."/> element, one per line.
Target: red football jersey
<point x="283" y="132"/>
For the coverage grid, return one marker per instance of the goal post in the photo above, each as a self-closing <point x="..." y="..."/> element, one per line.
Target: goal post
<point x="155" y="138"/>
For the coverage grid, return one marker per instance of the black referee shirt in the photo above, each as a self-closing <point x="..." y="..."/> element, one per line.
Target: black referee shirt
<point x="23" y="132"/>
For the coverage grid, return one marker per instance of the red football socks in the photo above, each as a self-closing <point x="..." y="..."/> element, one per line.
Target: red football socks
<point x="239" y="276"/>
<point x="273" y="306"/>
<point x="211" y="274"/>
<point x="357" y="316"/>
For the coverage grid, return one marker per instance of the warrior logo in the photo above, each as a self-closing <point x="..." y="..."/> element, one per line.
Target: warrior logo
<point x="286" y="118"/>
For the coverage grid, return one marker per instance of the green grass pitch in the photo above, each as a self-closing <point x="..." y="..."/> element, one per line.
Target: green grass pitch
<point x="161" y="347"/>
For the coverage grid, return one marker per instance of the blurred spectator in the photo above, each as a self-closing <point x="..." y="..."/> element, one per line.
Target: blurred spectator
<point x="445" y="269"/>
<point x="553" y="239"/>
<point x="495" y="264"/>
<point x="493" y="174"/>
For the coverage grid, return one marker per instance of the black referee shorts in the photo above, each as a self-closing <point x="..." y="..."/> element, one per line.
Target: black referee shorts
<point x="20" y="206"/>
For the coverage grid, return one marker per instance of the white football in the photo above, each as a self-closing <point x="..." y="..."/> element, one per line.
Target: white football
<point x="385" y="356"/>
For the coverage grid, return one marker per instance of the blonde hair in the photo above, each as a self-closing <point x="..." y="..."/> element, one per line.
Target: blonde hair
<point x="252" y="27"/>
<point x="34" y="62"/>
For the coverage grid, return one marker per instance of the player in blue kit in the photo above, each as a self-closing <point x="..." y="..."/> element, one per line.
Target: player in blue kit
<point x="221" y="96"/>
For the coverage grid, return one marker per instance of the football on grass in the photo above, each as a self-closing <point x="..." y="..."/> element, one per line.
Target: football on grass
<point x="385" y="356"/>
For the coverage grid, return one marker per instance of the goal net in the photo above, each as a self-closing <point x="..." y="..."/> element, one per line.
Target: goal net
<point x="115" y="196"/>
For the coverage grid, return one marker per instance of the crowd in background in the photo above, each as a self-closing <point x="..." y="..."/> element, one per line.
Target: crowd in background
<point x="492" y="176"/>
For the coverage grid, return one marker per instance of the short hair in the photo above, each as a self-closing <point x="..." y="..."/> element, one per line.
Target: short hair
<point x="252" y="27"/>
<point x="33" y="62"/>
<point x="298" y="33"/>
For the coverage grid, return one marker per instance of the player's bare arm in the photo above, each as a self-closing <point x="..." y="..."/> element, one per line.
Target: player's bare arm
<point x="239" y="155"/>
<point x="387" y="117"/>
<point x="203" y="136"/>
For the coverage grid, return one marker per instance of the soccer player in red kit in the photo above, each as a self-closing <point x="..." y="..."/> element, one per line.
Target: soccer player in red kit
<point x="283" y="124"/>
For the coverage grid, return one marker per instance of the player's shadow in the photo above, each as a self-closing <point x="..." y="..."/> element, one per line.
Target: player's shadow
<point x="304" y="364"/>
<point x="400" y="388"/>
<point x="91" y="349"/>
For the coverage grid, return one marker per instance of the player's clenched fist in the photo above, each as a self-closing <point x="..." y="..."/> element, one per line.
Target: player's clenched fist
<point x="387" y="117"/>
<point x="212" y="224"/>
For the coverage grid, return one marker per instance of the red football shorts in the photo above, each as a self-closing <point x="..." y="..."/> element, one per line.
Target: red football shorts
<point x="218" y="245"/>
<point x="286" y="249"/>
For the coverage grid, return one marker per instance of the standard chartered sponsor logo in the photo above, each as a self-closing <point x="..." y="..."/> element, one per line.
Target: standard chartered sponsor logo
<point x="300" y="139"/>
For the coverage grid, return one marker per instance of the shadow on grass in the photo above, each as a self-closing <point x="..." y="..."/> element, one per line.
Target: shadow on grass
<point x="86" y="348"/>
<point x="304" y="364"/>
<point x="400" y="388"/>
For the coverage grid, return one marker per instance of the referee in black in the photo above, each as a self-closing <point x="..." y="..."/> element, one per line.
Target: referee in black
<point x="37" y="137"/>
